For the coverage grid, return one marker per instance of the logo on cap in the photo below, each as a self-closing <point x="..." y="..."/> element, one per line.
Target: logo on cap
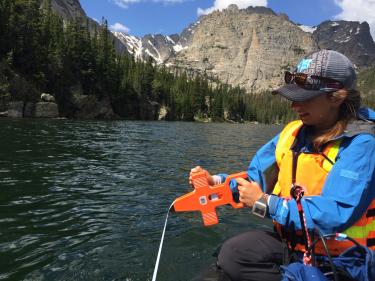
<point x="303" y="65"/>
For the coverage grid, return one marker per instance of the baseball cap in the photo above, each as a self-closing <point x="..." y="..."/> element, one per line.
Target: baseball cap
<point x="319" y="69"/>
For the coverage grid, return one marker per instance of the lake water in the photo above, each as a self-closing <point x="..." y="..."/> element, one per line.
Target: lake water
<point x="86" y="200"/>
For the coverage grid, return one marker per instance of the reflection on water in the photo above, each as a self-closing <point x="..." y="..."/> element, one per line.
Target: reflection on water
<point x="87" y="200"/>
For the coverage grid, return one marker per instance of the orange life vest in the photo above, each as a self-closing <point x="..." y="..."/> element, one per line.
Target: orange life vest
<point x="311" y="172"/>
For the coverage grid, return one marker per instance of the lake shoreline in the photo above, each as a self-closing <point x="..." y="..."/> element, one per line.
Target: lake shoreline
<point x="4" y="116"/>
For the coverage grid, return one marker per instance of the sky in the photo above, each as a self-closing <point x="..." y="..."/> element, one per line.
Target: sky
<point x="140" y="17"/>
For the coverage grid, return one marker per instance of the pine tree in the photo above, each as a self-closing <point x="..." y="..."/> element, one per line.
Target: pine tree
<point x="5" y="15"/>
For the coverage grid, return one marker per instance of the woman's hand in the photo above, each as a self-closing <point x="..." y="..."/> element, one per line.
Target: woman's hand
<point x="198" y="169"/>
<point x="249" y="191"/>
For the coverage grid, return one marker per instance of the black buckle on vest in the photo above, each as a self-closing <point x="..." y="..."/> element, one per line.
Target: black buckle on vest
<point x="297" y="192"/>
<point x="370" y="213"/>
<point x="370" y="242"/>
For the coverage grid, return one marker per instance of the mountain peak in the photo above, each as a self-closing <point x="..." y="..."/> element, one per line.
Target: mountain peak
<point x="68" y="9"/>
<point x="232" y="8"/>
<point x="260" y="10"/>
<point x="351" y="38"/>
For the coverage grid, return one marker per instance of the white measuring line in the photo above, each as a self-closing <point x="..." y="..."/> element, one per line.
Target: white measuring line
<point x="161" y="246"/>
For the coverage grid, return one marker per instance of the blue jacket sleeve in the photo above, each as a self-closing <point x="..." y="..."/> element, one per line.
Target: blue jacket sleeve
<point x="347" y="192"/>
<point x="263" y="167"/>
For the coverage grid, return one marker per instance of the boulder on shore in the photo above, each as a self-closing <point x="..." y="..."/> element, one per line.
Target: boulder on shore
<point x="46" y="110"/>
<point x="163" y="112"/>
<point x="16" y="109"/>
<point x="47" y="97"/>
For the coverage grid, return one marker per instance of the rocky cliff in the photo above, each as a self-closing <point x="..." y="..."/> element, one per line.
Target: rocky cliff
<point x="350" y="38"/>
<point x="251" y="47"/>
<point x="68" y="9"/>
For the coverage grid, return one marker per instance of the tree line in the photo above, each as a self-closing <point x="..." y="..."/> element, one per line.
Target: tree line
<point x="366" y="85"/>
<point x="40" y="52"/>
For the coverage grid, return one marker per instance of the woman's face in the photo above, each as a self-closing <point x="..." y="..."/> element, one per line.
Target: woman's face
<point x="320" y="112"/>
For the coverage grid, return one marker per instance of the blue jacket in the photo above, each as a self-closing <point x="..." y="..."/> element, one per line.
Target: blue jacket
<point x="347" y="192"/>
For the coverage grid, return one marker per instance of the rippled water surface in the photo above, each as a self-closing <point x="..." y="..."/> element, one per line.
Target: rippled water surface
<point x="86" y="200"/>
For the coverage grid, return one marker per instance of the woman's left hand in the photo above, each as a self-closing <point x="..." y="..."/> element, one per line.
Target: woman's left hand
<point x="249" y="191"/>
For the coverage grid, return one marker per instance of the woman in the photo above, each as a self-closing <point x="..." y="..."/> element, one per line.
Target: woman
<point x="322" y="164"/>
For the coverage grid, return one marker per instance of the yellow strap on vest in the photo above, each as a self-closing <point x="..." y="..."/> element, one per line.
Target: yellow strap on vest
<point x="332" y="154"/>
<point x="282" y="144"/>
<point x="360" y="231"/>
<point x="276" y="189"/>
<point x="284" y="137"/>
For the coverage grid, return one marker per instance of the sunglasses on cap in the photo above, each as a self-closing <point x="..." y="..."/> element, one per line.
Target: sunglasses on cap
<point x="312" y="82"/>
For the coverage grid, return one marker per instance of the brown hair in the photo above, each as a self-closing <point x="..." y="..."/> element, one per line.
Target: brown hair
<point x="347" y="111"/>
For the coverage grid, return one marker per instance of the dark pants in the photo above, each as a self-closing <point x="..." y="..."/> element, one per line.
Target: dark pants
<point x="253" y="255"/>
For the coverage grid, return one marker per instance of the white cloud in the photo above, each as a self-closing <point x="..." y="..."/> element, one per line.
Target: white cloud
<point x="169" y="1"/>
<point x="125" y="3"/>
<point x="119" y="27"/>
<point x="358" y="10"/>
<point x="222" y="4"/>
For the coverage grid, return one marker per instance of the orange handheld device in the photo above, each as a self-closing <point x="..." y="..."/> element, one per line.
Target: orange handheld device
<point x="206" y="198"/>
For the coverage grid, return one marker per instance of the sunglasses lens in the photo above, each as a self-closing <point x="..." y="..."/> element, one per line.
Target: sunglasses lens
<point x="300" y="79"/>
<point x="288" y="77"/>
<point x="311" y="82"/>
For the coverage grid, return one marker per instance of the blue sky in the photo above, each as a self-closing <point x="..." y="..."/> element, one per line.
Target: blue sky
<point x="139" y="17"/>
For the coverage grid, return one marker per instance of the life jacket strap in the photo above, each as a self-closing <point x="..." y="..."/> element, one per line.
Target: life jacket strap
<point x="370" y="242"/>
<point x="370" y="213"/>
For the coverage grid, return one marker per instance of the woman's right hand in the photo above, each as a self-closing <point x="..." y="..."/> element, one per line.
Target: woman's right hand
<point x="198" y="169"/>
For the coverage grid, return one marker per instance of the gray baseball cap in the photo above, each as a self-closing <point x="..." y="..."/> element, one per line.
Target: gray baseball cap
<point x="324" y="63"/>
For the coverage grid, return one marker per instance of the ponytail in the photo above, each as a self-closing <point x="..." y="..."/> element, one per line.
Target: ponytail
<point x="348" y="111"/>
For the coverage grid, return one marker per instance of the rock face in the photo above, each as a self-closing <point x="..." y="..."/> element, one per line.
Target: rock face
<point x="353" y="39"/>
<point x="68" y="9"/>
<point x="40" y="109"/>
<point x="29" y="110"/>
<point x="90" y="107"/>
<point x="149" y="110"/>
<point x="251" y="48"/>
<point x="46" y="110"/>
<point x="15" y="109"/>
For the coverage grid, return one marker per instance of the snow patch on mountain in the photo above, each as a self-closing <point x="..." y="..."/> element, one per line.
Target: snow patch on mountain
<point x="178" y="48"/>
<point x="309" y="29"/>
<point x="171" y="40"/>
<point x="158" y="47"/>
<point x="133" y="44"/>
